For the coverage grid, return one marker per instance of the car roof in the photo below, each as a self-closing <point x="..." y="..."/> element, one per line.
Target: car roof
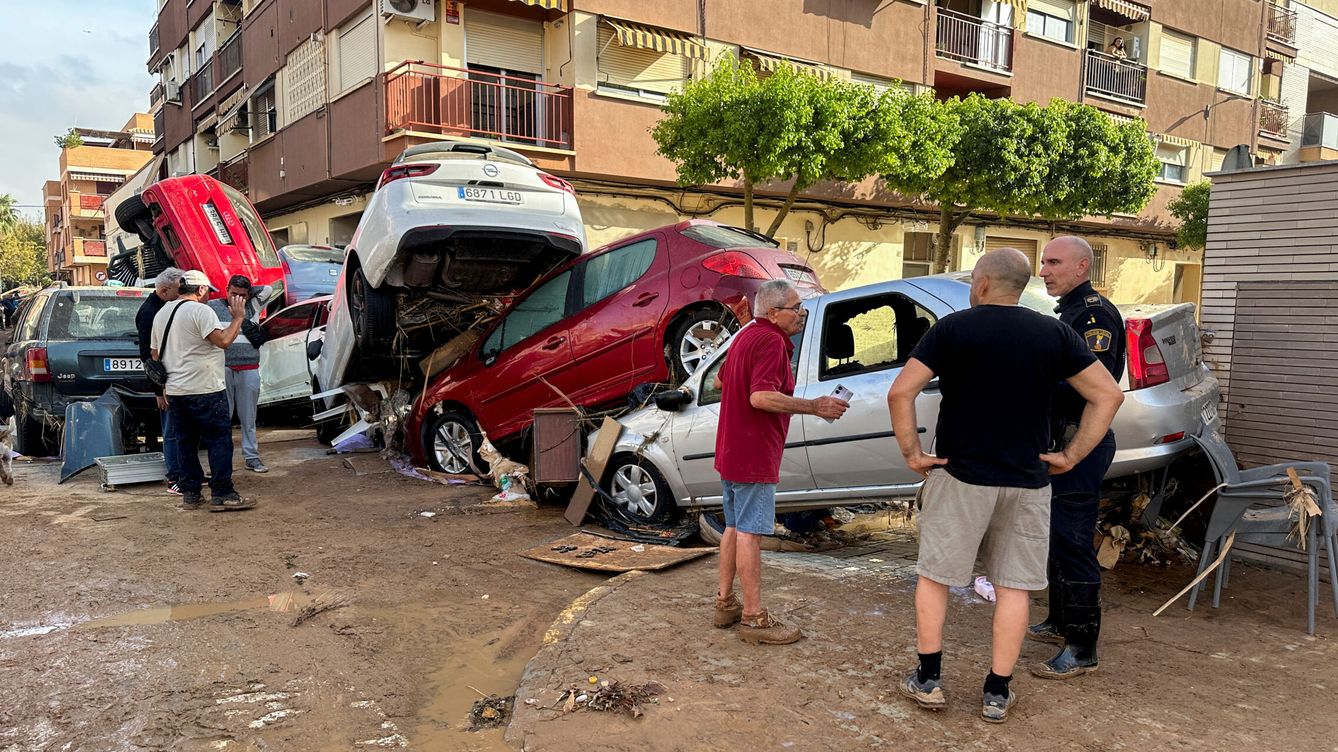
<point x="458" y="150"/>
<point x="679" y="227"/>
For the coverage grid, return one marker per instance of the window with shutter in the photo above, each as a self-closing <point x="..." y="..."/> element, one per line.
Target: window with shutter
<point x="1173" y="161"/>
<point x="1028" y="247"/>
<point x="1177" y="54"/>
<point x="357" y="53"/>
<point x="264" y="112"/>
<point x="1052" y="19"/>
<point x="1233" y="71"/>
<point x="508" y="43"/>
<point x="637" y="70"/>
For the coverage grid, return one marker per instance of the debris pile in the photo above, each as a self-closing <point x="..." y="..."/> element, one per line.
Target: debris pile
<point x="490" y="712"/>
<point x="612" y="697"/>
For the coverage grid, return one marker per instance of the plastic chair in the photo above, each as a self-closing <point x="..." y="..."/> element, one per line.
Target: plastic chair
<point x="1236" y="510"/>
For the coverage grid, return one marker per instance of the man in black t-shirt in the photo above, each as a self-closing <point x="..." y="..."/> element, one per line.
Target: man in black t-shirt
<point x="988" y="489"/>
<point x="166" y="288"/>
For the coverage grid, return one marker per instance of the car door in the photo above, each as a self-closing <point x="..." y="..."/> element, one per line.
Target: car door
<point x="527" y="359"/>
<point x="861" y="341"/>
<point x="621" y="295"/>
<point x="694" y="431"/>
<point x="283" y="356"/>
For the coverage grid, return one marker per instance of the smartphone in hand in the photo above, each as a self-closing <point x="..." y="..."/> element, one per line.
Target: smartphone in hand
<point x="843" y="394"/>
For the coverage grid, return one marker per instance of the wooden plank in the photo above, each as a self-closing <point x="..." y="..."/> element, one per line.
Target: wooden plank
<point x="598" y="459"/>
<point x="587" y="551"/>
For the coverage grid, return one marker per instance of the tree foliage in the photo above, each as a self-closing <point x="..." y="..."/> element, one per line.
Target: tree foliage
<point x="1061" y="161"/>
<point x="1191" y="208"/>
<point x="23" y="254"/>
<point x="794" y="126"/>
<point x="9" y="213"/>
<point x="69" y="139"/>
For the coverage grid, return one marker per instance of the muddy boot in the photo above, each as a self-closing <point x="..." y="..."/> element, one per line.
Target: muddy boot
<point x="1052" y="629"/>
<point x="761" y="629"/>
<point x="1078" y="657"/>
<point x="728" y="611"/>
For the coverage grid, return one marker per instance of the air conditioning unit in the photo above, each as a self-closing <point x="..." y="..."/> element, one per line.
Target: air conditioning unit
<point x="410" y="10"/>
<point x="173" y="91"/>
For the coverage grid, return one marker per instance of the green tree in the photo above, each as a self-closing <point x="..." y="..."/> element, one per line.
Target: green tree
<point x="1191" y="208"/>
<point x="23" y="254"/>
<point x="793" y="126"/>
<point x="1061" y="161"/>
<point x="70" y="139"/>
<point x="9" y="213"/>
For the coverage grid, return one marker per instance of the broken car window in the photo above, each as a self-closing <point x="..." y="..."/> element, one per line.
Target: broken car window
<point x="870" y="334"/>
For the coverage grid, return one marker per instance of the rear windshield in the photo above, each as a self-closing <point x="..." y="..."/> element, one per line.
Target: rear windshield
<point x="329" y="255"/>
<point x="81" y="315"/>
<point x="255" y="229"/>
<point x="724" y="237"/>
<point x="443" y="156"/>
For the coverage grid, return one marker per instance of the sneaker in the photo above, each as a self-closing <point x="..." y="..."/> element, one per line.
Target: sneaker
<point x="1045" y="632"/>
<point x="174" y="489"/>
<point x="191" y="500"/>
<point x="764" y="630"/>
<point x="994" y="708"/>
<point x="728" y="611"/>
<point x="230" y="502"/>
<point x="256" y="466"/>
<point x="928" y="694"/>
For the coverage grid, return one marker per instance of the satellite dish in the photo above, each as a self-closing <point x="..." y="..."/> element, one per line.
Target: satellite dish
<point x="1238" y="158"/>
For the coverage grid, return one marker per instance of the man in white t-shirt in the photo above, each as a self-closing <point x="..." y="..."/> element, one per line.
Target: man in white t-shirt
<point x="192" y="352"/>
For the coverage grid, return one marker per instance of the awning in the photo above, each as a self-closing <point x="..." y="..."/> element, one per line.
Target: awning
<point x="546" y="4"/>
<point x="1167" y="138"/>
<point x="233" y="121"/>
<point x="233" y="100"/>
<point x="659" y="40"/>
<point x="768" y="63"/>
<point x="101" y="177"/>
<point x="1125" y="8"/>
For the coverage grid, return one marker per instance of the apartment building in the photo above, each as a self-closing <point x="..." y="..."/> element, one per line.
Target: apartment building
<point x="1302" y="100"/>
<point x="74" y="204"/>
<point x="302" y="103"/>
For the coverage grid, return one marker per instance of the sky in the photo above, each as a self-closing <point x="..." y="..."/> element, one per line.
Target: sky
<point x="65" y="63"/>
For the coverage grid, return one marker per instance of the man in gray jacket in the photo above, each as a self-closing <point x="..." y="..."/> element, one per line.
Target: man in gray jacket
<point x="243" y="367"/>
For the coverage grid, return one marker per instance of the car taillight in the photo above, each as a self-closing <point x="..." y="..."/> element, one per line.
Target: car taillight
<point x="35" y="365"/>
<point x="1170" y="438"/>
<point x="1147" y="367"/>
<point x="735" y="264"/>
<point x="553" y="181"/>
<point x="406" y="171"/>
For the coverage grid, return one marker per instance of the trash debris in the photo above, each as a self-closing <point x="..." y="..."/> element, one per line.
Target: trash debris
<point x="510" y="477"/>
<point x="301" y="577"/>
<point x="427" y="514"/>
<point x="638" y="548"/>
<point x="358" y="442"/>
<point x="322" y="602"/>
<point x="984" y="589"/>
<point x="613" y="697"/>
<point x="589" y="551"/>
<point x="1112" y="545"/>
<point x="401" y="464"/>
<point x="592" y="469"/>
<point x="491" y="711"/>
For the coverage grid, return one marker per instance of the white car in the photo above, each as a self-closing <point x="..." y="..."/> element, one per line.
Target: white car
<point x="285" y="368"/>
<point x="450" y="226"/>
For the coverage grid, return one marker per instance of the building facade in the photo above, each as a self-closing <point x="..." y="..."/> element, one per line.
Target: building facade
<point x="74" y="204"/>
<point x="302" y="103"/>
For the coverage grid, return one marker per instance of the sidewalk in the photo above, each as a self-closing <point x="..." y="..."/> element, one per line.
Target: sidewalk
<point x="1185" y="680"/>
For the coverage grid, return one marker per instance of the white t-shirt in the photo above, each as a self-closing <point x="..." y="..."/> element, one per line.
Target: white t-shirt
<point x="194" y="364"/>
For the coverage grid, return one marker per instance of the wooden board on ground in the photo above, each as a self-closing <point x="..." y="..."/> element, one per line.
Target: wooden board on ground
<point x="625" y="556"/>
<point x="605" y="440"/>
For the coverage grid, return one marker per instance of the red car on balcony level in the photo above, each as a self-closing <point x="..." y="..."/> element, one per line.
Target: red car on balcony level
<point x="648" y="308"/>
<point x="195" y="222"/>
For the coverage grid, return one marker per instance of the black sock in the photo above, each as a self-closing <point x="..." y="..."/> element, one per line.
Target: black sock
<point x="930" y="665"/>
<point x="997" y="685"/>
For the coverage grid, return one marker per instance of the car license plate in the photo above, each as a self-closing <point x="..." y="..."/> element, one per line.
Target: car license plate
<point x="1209" y="413"/>
<point x="490" y="195"/>
<point x="122" y="365"/>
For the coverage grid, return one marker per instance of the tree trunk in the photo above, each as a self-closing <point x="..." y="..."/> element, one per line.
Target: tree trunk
<point x="948" y="223"/>
<point x="785" y="209"/>
<point x="748" y="204"/>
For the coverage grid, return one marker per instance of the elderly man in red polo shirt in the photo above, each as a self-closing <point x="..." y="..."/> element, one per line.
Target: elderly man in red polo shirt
<point x="756" y="402"/>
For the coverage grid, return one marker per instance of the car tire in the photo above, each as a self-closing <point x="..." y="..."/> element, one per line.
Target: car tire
<point x="463" y="433"/>
<point x="32" y="440"/>
<point x="373" y="313"/>
<point x="128" y="215"/>
<point x="695" y="337"/>
<point x="640" y="490"/>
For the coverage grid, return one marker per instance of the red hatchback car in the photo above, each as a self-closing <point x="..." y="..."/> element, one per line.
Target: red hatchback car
<point x="647" y="308"/>
<point x="196" y="222"/>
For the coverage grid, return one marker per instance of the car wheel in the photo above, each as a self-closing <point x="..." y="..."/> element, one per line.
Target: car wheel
<point x="639" y="490"/>
<point x="694" y="339"/>
<point x="373" y="314"/>
<point x="128" y="215"/>
<point x="32" y="440"/>
<point x="451" y="442"/>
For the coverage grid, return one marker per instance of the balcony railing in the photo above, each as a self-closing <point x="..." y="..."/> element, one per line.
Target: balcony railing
<point x="1116" y="77"/>
<point x="90" y="247"/>
<point x="235" y="172"/>
<point x="230" y="56"/>
<point x="203" y="82"/>
<point x="158" y="126"/>
<point x="1281" y="23"/>
<point x="1272" y="118"/>
<point x="453" y="101"/>
<point x="975" y="41"/>
<point x="153" y="39"/>
<point x="1320" y="129"/>
<point x="156" y="94"/>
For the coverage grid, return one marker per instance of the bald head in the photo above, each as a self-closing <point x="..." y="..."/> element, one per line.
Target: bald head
<point x="1066" y="263"/>
<point x="1007" y="268"/>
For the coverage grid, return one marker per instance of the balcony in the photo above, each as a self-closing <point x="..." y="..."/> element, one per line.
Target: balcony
<point x="156" y="95"/>
<point x="452" y="101"/>
<point x="230" y="56"/>
<point x="202" y="84"/>
<point x="1281" y="24"/>
<point x="96" y="247"/>
<point x="974" y="41"/>
<point x="1273" y="119"/>
<point x="1116" y="78"/>
<point x="91" y="203"/>
<point x="153" y="39"/>
<point x="235" y="172"/>
<point x="1319" y="137"/>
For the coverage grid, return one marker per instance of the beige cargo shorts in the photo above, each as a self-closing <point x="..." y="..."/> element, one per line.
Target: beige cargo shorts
<point x="1009" y="528"/>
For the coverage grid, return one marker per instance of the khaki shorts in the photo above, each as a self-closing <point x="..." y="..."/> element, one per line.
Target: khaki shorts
<point x="1008" y="527"/>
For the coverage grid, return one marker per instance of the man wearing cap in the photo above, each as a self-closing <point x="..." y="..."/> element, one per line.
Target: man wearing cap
<point x="189" y="339"/>
<point x="242" y="359"/>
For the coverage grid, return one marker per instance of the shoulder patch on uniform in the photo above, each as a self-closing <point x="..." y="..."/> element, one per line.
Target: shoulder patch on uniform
<point x="1092" y="301"/>
<point x="1098" y="340"/>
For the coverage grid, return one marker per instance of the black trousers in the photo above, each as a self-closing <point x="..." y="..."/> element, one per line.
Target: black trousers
<point x="1075" y="576"/>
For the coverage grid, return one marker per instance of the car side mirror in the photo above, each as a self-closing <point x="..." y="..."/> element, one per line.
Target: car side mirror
<point x="674" y="400"/>
<point x="314" y="349"/>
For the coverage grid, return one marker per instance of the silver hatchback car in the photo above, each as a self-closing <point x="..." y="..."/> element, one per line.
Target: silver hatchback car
<point x="860" y="339"/>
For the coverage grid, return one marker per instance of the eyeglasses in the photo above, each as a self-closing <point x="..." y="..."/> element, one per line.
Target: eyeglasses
<point x="798" y="309"/>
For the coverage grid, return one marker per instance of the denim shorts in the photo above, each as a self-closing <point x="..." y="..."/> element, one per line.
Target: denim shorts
<point x="750" y="507"/>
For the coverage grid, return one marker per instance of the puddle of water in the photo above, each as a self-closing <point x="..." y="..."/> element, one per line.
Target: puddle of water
<point x="492" y="664"/>
<point x="288" y="601"/>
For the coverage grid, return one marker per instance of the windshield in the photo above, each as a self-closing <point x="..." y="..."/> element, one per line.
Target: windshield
<point x="83" y="316"/>
<point x="313" y="253"/>
<point x="255" y="229"/>
<point x="717" y="236"/>
<point x="314" y="275"/>
<point x="1037" y="299"/>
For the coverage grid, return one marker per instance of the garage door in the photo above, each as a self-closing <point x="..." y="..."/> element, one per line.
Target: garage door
<point x="1026" y="246"/>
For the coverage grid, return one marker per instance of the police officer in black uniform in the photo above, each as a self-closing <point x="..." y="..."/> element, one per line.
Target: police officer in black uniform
<point x="1075" y="577"/>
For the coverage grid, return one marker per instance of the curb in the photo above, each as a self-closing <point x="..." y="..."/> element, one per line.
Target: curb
<point x="566" y="620"/>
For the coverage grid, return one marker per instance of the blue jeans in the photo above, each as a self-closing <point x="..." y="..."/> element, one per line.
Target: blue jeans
<point x="750" y="507"/>
<point x="203" y="419"/>
<point x="170" y="457"/>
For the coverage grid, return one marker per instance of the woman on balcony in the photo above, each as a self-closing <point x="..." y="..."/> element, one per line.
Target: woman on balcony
<point x="1117" y="49"/>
